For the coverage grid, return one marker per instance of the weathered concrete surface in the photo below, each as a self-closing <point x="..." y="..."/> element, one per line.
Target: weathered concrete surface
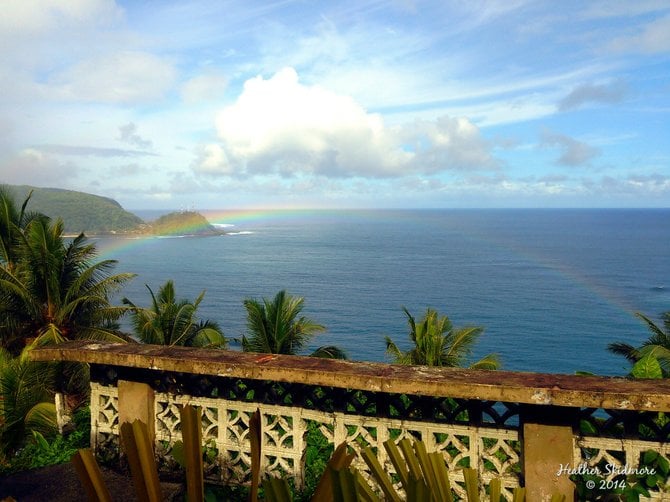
<point x="136" y="402"/>
<point x="546" y="449"/>
<point x="516" y="387"/>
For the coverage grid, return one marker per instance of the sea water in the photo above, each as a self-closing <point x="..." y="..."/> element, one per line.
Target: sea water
<point x="551" y="288"/>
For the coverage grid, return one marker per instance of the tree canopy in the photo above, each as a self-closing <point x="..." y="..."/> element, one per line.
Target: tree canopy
<point x="436" y="342"/>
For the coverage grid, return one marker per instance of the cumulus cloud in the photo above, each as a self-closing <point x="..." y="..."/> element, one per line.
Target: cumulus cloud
<point x="128" y="134"/>
<point x="612" y="92"/>
<point x="280" y="126"/>
<point x="573" y="152"/>
<point x="212" y="159"/>
<point x="655" y="183"/>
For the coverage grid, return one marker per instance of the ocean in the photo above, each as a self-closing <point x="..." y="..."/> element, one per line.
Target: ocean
<point x="551" y="287"/>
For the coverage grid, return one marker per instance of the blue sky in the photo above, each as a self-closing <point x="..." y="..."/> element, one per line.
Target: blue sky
<point x="243" y="104"/>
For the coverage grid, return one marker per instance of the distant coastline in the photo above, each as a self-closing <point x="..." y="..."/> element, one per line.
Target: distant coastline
<point x="94" y="215"/>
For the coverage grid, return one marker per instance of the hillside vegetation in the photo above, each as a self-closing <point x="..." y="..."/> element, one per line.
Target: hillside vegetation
<point x="93" y="214"/>
<point x="183" y="223"/>
<point x="81" y="212"/>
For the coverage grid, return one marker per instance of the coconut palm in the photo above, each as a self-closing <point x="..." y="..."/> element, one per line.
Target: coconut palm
<point x="276" y="327"/>
<point x="436" y="342"/>
<point x="12" y="222"/>
<point x="173" y="322"/>
<point x="54" y="291"/>
<point x="657" y="345"/>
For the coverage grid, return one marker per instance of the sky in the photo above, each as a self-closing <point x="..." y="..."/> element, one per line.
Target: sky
<point x="339" y="104"/>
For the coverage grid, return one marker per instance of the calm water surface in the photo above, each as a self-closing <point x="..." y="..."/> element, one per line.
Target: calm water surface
<point x="551" y="287"/>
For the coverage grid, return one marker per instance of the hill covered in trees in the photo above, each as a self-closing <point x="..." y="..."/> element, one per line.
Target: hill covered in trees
<point x="93" y="214"/>
<point x="81" y="212"/>
<point x="183" y="223"/>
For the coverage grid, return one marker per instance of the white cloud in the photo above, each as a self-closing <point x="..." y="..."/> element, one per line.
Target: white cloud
<point x="128" y="134"/>
<point x="573" y="152"/>
<point x="121" y="77"/>
<point x="32" y="167"/>
<point x="611" y="92"/>
<point x="38" y="16"/>
<point x="206" y="87"/>
<point x="615" y="8"/>
<point x="280" y="126"/>
<point x="652" y="38"/>
<point x="212" y="159"/>
<point x="89" y="151"/>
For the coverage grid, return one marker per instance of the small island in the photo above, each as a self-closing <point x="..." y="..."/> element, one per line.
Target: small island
<point x="186" y="223"/>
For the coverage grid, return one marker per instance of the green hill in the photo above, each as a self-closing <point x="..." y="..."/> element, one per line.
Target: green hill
<point x="93" y="214"/>
<point x="183" y="223"/>
<point x="81" y="212"/>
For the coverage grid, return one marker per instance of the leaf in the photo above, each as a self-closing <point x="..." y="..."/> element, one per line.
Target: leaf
<point x="587" y="427"/>
<point x="178" y="453"/>
<point x="41" y="442"/>
<point x="649" y="456"/>
<point x="652" y="480"/>
<point x="647" y="367"/>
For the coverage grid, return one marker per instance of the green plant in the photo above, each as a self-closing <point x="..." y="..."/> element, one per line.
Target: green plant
<point x="276" y="327"/>
<point x="436" y="342"/>
<point x="41" y="451"/>
<point x="319" y="450"/>
<point x="647" y="366"/>
<point x="26" y="404"/>
<point x="424" y="477"/>
<point x="657" y="346"/>
<point x="650" y="475"/>
<point x="170" y="321"/>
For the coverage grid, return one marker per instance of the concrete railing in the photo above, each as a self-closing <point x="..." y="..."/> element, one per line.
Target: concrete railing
<point x="528" y="429"/>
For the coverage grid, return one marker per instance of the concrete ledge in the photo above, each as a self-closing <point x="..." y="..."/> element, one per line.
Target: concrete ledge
<point x="516" y="387"/>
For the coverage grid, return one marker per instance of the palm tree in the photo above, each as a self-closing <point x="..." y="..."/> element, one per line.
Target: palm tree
<point x="657" y="345"/>
<point x="276" y="327"/>
<point x="12" y="222"/>
<point x="173" y="322"/>
<point x="54" y="291"/>
<point x="437" y="343"/>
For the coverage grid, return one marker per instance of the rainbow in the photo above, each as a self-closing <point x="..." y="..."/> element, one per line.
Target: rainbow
<point x="229" y="220"/>
<point x="562" y="270"/>
<point x="236" y="221"/>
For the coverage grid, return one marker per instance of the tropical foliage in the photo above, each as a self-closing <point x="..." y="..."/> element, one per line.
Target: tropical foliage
<point x="173" y="322"/>
<point x="276" y="326"/>
<point x="50" y="291"/>
<point x="26" y="405"/>
<point x="654" y="351"/>
<point x="13" y="220"/>
<point x="54" y="291"/>
<point x="436" y="342"/>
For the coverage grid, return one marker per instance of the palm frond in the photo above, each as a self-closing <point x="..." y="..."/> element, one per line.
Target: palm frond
<point x="488" y="362"/>
<point x="276" y="326"/>
<point x="435" y="342"/>
<point x="626" y="350"/>
<point x="329" y="352"/>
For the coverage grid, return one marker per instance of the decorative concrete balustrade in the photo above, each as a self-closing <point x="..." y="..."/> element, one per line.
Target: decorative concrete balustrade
<point x="528" y="429"/>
